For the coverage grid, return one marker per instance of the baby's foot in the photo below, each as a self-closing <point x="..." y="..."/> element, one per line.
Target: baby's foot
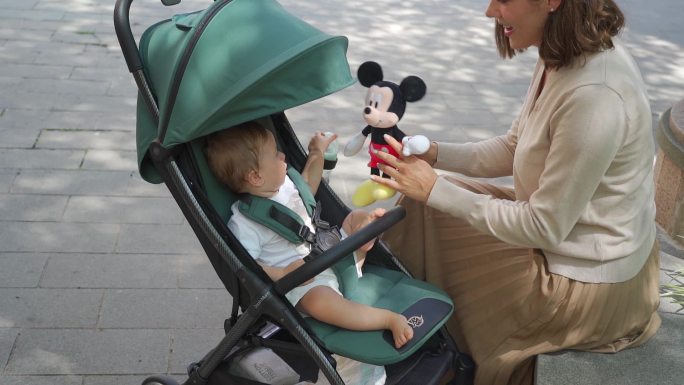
<point x="401" y="330"/>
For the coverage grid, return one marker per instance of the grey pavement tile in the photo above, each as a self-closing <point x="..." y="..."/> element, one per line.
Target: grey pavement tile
<point x="143" y="271"/>
<point x="49" y="308"/>
<point x="29" y="100"/>
<point x="90" y="73"/>
<point x="18" y="137"/>
<point x="110" y="160"/>
<point x="25" y="34"/>
<point x="7" y="338"/>
<point x="157" y="239"/>
<point x="27" y="158"/>
<point x="191" y="345"/>
<point x="17" y="55"/>
<point x="89" y="120"/>
<point x="13" y="14"/>
<point x="164" y="308"/>
<point x="17" y="207"/>
<point x="63" y="86"/>
<point x="21" y="269"/>
<point x="139" y="187"/>
<point x="41" y="380"/>
<point x="119" y="380"/>
<point x="121" y="210"/>
<point x="95" y="139"/>
<point x="196" y="272"/>
<point x="72" y="182"/>
<point x="79" y="351"/>
<point x="13" y="118"/>
<point x="57" y="237"/>
<point x="7" y="176"/>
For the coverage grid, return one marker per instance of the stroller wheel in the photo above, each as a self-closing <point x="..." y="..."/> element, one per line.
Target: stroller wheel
<point x="160" y="380"/>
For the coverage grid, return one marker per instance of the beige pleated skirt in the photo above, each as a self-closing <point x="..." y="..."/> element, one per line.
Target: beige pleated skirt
<point x="508" y="307"/>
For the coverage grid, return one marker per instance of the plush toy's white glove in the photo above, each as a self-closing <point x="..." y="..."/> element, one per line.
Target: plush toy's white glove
<point x="354" y="145"/>
<point x="415" y="145"/>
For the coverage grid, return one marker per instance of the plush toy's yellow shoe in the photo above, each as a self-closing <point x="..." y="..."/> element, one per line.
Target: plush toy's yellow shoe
<point x="363" y="196"/>
<point x="381" y="192"/>
<point x="369" y="192"/>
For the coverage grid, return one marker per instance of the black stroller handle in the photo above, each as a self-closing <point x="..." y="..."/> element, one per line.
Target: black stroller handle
<point x="122" y="26"/>
<point x="333" y="255"/>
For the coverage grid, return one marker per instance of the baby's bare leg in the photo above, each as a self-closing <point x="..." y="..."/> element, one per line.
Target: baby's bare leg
<point x="326" y="305"/>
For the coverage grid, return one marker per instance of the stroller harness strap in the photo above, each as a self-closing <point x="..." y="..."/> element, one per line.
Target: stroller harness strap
<point x="286" y="223"/>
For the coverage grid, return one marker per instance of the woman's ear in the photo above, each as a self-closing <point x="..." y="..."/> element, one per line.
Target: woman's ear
<point x="554" y="4"/>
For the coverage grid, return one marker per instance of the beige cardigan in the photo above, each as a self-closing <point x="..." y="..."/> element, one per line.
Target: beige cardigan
<point x="581" y="157"/>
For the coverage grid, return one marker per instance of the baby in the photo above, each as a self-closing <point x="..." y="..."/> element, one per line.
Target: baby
<point x="246" y="159"/>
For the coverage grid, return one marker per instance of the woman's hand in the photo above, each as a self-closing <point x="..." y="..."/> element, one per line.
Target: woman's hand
<point x="411" y="176"/>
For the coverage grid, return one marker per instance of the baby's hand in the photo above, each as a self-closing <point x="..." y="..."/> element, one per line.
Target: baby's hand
<point x="320" y="142"/>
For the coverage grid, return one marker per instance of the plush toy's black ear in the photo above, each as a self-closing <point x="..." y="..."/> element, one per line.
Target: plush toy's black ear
<point x="369" y="73"/>
<point x="413" y="88"/>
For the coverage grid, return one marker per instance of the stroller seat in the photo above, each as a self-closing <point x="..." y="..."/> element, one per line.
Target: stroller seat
<point x="425" y="306"/>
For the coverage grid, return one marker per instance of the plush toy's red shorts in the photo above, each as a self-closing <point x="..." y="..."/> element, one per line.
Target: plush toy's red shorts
<point x="374" y="159"/>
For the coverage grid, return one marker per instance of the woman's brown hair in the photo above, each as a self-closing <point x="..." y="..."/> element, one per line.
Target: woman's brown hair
<point x="576" y="28"/>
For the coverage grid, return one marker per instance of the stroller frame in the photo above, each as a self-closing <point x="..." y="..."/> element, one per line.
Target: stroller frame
<point x="241" y="276"/>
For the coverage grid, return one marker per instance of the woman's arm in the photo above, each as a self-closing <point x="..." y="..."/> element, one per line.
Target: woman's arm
<point x="586" y="132"/>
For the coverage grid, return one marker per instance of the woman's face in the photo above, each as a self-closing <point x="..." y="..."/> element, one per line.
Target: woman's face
<point x="522" y="20"/>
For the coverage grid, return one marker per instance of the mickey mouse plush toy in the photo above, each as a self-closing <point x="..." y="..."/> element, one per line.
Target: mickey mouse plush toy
<point x="384" y="107"/>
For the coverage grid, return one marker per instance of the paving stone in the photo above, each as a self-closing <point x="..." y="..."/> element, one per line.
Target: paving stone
<point x="191" y="345"/>
<point x="164" y="308"/>
<point x="41" y="158"/>
<point x="119" y="380"/>
<point x="108" y="140"/>
<point x="122" y="210"/>
<point x="62" y="86"/>
<point x="41" y="380"/>
<point x="18" y="137"/>
<point x="89" y="120"/>
<point x="53" y="308"/>
<point x="7" y="176"/>
<point x="72" y="182"/>
<point x="12" y="118"/>
<point x="17" y="207"/>
<point x="110" y="160"/>
<point x="57" y="237"/>
<point x="21" y="269"/>
<point x="7" y="338"/>
<point x="24" y="100"/>
<point x="79" y="351"/>
<point x="111" y="271"/>
<point x="30" y="35"/>
<point x="196" y="272"/>
<point x="160" y="239"/>
<point x="10" y="14"/>
<point x="139" y="187"/>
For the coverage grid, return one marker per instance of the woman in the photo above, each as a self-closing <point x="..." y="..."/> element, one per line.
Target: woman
<point x="568" y="258"/>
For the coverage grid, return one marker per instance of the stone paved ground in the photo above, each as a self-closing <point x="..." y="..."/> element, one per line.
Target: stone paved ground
<point x="101" y="280"/>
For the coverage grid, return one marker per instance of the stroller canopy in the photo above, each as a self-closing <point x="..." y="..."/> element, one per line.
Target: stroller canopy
<point x="234" y="61"/>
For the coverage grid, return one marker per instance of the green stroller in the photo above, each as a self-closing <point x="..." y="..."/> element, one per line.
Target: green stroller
<point x="241" y="60"/>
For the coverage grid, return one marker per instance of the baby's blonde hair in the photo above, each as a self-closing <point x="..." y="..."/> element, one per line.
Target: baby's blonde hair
<point x="234" y="152"/>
